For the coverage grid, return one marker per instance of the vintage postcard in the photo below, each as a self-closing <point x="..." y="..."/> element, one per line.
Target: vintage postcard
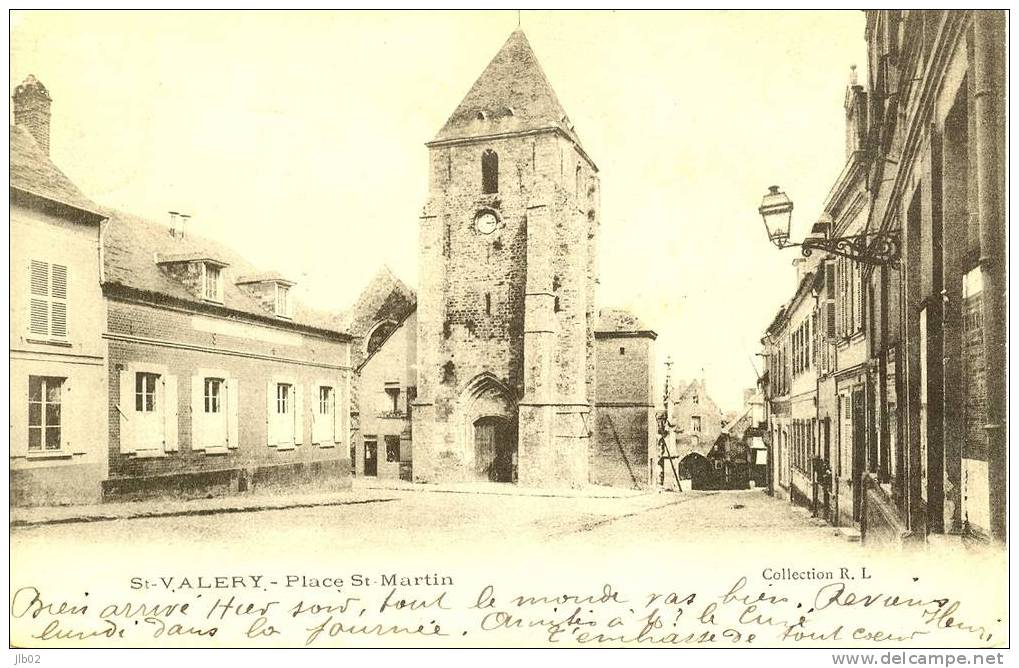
<point x="510" y="329"/>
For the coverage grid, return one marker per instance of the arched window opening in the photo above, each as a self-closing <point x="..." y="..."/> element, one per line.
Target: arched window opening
<point x="378" y="335"/>
<point x="489" y="172"/>
<point x="576" y="185"/>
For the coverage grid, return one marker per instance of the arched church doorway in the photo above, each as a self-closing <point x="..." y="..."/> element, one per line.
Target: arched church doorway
<point x="495" y="449"/>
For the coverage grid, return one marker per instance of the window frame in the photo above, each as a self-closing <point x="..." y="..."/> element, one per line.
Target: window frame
<point x="281" y="303"/>
<point x="142" y="392"/>
<point x="44" y="426"/>
<point x="284" y="398"/>
<point x="212" y="274"/>
<point x="215" y="400"/>
<point x="329" y="397"/>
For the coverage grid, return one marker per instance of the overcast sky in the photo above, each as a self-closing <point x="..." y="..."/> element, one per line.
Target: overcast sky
<point x="299" y="138"/>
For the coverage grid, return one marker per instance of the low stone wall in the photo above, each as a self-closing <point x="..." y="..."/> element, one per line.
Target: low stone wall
<point x="305" y="476"/>
<point x="56" y="485"/>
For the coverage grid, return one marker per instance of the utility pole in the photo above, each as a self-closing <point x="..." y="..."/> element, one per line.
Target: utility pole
<point x="663" y="434"/>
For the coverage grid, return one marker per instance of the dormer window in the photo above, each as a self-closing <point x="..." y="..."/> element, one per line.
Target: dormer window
<point x="282" y="301"/>
<point x="199" y="271"/>
<point x="271" y="290"/>
<point x="212" y="283"/>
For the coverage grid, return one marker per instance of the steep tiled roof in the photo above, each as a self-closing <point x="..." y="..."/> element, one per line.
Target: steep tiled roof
<point x="133" y="245"/>
<point x="33" y="172"/>
<point x="385" y="297"/>
<point x="511" y="95"/>
<point x="698" y="387"/>
<point x="739" y="423"/>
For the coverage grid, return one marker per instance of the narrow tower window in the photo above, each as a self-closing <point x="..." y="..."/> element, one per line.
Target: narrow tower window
<point x="489" y="172"/>
<point x="488" y="303"/>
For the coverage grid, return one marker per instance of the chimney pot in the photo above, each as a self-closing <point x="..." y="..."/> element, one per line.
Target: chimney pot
<point x="173" y="223"/>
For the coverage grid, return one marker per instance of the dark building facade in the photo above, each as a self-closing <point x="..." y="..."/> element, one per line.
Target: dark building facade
<point x="911" y="354"/>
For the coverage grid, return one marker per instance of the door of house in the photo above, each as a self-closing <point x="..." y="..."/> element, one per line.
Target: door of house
<point x="148" y="415"/>
<point x="494" y="449"/>
<point x="859" y="443"/>
<point x="214" y="413"/>
<point x="371" y="459"/>
<point x="324" y="421"/>
<point x="283" y="422"/>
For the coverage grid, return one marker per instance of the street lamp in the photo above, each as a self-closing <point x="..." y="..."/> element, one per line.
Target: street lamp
<point x="777" y="211"/>
<point x="877" y="248"/>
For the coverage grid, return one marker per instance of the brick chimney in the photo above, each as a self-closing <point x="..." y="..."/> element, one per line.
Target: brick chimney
<point x="32" y="110"/>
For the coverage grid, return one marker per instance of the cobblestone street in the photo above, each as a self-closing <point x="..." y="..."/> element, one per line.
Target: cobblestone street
<point x="487" y="519"/>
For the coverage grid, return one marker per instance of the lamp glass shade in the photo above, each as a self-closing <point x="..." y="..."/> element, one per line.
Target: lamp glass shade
<point x="777" y="211"/>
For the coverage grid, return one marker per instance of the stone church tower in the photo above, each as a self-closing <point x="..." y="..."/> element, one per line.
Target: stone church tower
<point x="507" y="292"/>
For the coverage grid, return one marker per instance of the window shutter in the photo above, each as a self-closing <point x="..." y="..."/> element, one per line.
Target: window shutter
<point x="197" y="413"/>
<point x="58" y="319"/>
<point x="317" y="421"/>
<point x="170" y="406"/>
<point x="340" y="410"/>
<point x="270" y="413"/>
<point x="857" y="297"/>
<point x="70" y="423"/>
<point x="58" y="300"/>
<point x="233" y="396"/>
<point x="39" y="280"/>
<point x="19" y="388"/>
<point x="126" y="413"/>
<point x="843" y="298"/>
<point x="298" y="414"/>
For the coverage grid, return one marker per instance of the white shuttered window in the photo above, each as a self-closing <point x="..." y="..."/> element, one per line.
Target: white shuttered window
<point x="48" y="300"/>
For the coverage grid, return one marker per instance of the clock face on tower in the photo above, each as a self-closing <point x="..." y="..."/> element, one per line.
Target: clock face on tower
<point x="486" y="222"/>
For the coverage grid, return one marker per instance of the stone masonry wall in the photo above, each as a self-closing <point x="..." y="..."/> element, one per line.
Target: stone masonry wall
<point x="463" y="334"/>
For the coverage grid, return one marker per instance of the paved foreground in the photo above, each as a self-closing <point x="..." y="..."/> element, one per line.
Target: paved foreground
<point x="424" y="520"/>
<point x="689" y="565"/>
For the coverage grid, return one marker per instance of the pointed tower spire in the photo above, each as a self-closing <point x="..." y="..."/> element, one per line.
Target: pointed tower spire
<point x="512" y="95"/>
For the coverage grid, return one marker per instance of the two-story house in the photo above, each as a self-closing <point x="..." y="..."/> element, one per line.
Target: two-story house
<point x="219" y="379"/>
<point x="57" y="354"/>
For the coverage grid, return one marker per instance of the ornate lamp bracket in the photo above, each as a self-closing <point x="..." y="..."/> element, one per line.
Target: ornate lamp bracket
<point x="874" y="248"/>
